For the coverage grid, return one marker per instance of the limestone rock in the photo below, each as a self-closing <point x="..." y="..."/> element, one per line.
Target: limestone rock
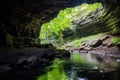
<point x="95" y="42"/>
<point x="81" y="47"/>
<point x="104" y="37"/>
<point x="109" y="45"/>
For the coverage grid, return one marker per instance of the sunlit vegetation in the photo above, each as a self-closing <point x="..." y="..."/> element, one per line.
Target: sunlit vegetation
<point x="115" y="40"/>
<point x="52" y="32"/>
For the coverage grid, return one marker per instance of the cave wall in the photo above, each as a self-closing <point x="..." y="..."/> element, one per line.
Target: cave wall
<point x="20" y="20"/>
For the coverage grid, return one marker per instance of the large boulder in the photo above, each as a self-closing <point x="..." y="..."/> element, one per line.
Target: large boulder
<point x="26" y="58"/>
<point x="62" y="54"/>
<point x="104" y="37"/>
<point x="95" y="42"/>
<point x="88" y="45"/>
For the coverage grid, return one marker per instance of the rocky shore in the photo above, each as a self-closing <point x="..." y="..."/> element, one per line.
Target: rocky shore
<point x="32" y="57"/>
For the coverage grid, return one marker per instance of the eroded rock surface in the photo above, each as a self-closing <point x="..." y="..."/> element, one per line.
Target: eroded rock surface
<point x="20" y="20"/>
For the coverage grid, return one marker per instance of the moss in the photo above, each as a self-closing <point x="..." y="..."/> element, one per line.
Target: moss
<point x="115" y="40"/>
<point x="77" y="42"/>
<point x="9" y="40"/>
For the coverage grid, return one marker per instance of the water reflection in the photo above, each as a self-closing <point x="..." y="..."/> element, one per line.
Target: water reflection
<point x="83" y="67"/>
<point x="54" y="72"/>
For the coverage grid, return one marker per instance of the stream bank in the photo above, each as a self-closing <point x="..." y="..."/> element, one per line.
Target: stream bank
<point x="29" y="58"/>
<point x="105" y="44"/>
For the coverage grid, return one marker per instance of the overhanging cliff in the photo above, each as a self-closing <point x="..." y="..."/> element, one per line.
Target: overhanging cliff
<point x="20" y="20"/>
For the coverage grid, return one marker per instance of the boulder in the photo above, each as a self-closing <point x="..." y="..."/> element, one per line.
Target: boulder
<point x="26" y="58"/>
<point x="118" y="44"/>
<point x="4" y="68"/>
<point x="88" y="48"/>
<point x="95" y="42"/>
<point x="81" y="47"/>
<point x="104" y="37"/>
<point x="109" y="45"/>
<point x="62" y="54"/>
<point x="105" y="44"/>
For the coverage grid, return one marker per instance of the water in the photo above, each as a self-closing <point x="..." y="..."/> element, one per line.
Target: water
<point x="80" y="66"/>
<point x="83" y="67"/>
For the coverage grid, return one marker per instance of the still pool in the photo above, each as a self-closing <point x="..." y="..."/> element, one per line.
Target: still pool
<point x="83" y="67"/>
<point x="80" y="66"/>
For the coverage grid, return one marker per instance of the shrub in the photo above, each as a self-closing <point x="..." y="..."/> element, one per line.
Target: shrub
<point x="115" y="40"/>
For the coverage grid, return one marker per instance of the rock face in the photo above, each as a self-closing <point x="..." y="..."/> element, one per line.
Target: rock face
<point x="20" y="20"/>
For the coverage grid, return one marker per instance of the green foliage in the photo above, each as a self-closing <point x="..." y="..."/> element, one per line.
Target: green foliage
<point x="112" y="21"/>
<point x="9" y="40"/>
<point x="115" y="40"/>
<point x="53" y="29"/>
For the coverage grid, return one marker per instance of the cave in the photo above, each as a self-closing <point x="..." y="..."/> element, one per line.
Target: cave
<point x="21" y="20"/>
<point x="22" y="54"/>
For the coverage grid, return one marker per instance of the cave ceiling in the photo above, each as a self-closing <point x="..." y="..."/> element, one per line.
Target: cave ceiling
<point x="22" y="18"/>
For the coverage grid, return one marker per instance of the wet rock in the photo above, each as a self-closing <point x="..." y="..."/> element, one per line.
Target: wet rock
<point x="62" y="54"/>
<point x="118" y="60"/>
<point x="95" y="42"/>
<point x="83" y="44"/>
<point x="95" y="67"/>
<point x="48" y="55"/>
<point x="26" y="58"/>
<point x="81" y="47"/>
<point x="88" y="45"/>
<point x="109" y="45"/>
<point x="118" y="44"/>
<point x="104" y="37"/>
<point x="32" y="58"/>
<point x="105" y="44"/>
<point x="21" y="59"/>
<point x="4" y="68"/>
<point x="88" y="48"/>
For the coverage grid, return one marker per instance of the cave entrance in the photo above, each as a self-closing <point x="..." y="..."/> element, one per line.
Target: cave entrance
<point x="65" y="26"/>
